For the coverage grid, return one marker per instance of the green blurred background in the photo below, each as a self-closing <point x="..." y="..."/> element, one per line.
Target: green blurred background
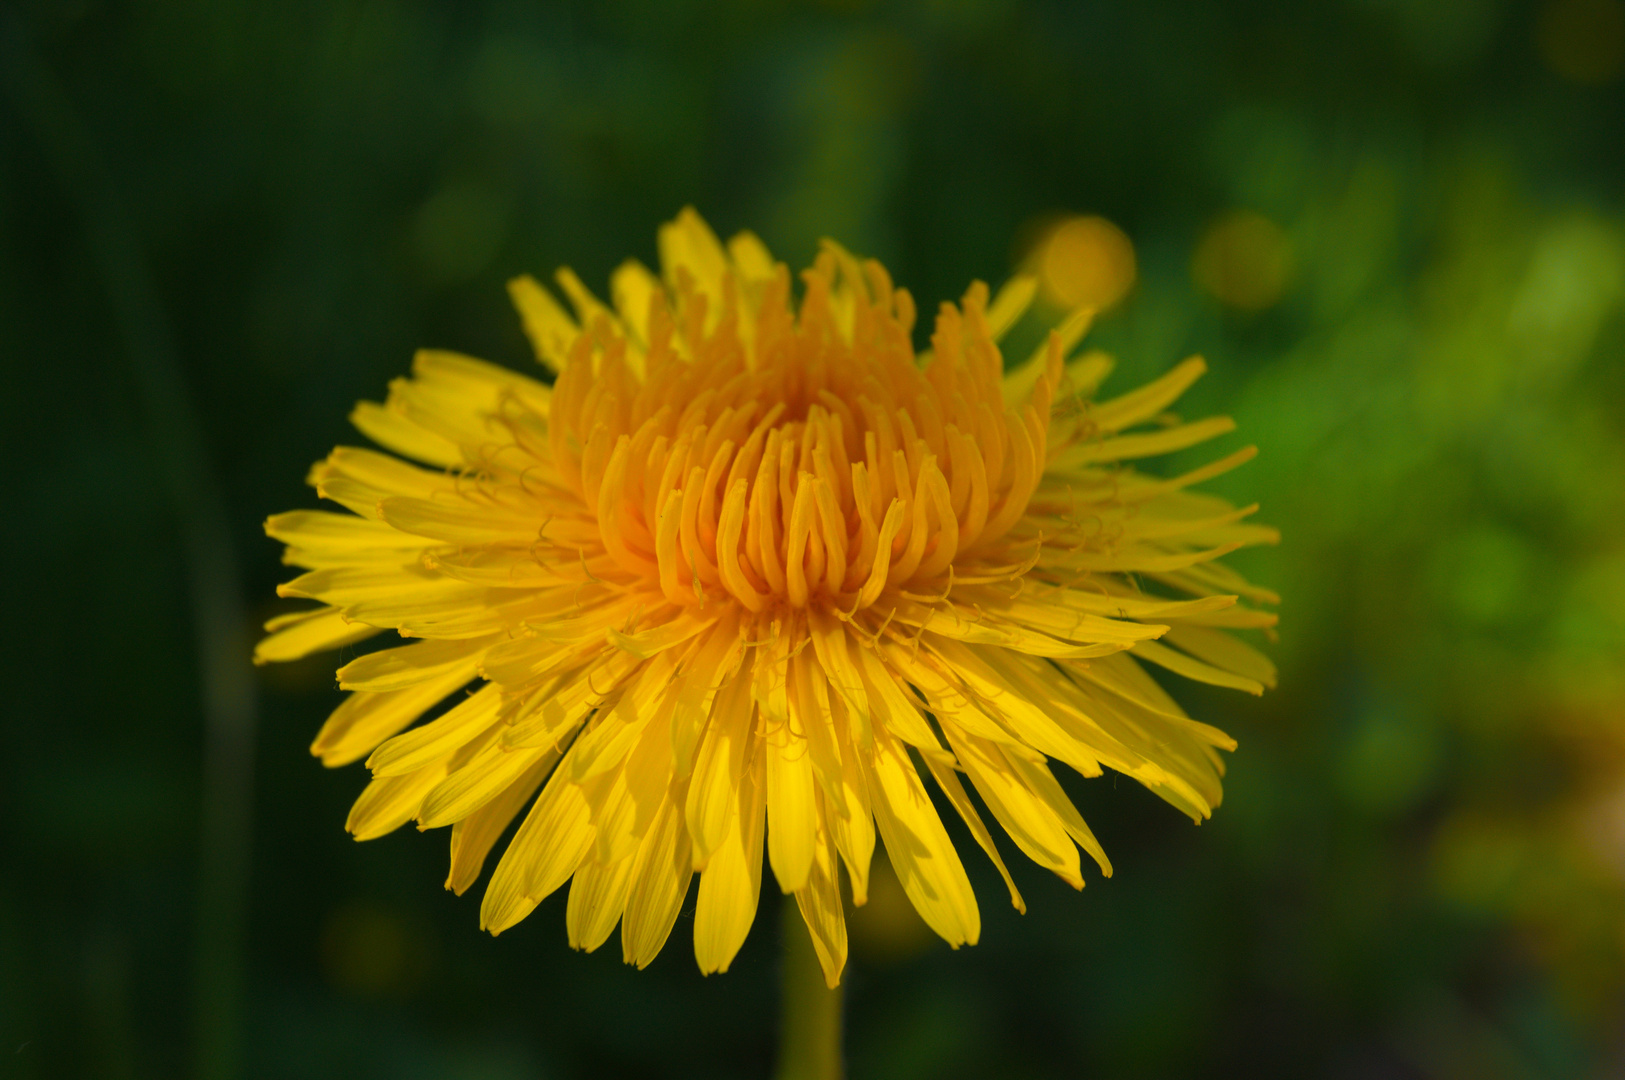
<point x="1396" y="228"/>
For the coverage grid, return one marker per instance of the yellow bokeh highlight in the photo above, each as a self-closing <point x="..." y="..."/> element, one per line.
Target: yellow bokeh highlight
<point x="1244" y="260"/>
<point x="370" y="951"/>
<point x="887" y="930"/>
<point x="1084" y="260"/>
<point x="1583" y="40"/>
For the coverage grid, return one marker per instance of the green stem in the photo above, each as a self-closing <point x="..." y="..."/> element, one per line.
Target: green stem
<point x="810" y="1020"/>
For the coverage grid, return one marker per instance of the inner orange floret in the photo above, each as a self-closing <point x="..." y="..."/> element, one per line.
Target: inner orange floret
<point x="779" y="460"/>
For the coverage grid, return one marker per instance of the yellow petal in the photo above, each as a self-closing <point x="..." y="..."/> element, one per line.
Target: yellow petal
<point x="820" y="904"/>
<point x="391" y="801"/>
<point x="469" y="611"/>
<point x="1041" y="782"/>
<point x="661" y="872"/>
<point x="542" y="855"/>
<point x="408" y="665"/>
<point x="364" y="720"/>
<point x="1224" y="651"/>
<point x="477" y="782"/>
<point x="460" y="522"/>
<point x="1041" y="613"/>
<point x="944" y="693"/>
<point x="959" y="625"/>
<point x="1125" y="447"/>
<point x="296" y="636"/>
<point x="1034" y="827"/>
<point x="440" y="737"/>
<point x="711" y="664"/>
<point x="812" y="717"/>
<point x="519" y="662"/>
<point x="1210" y="577"/>
<point x="570" y="700"/>
<point x="392" y="430"/>
<point x="1107" y="604"/>
<point x="894" y="709"/>
<point x="323" y="530"/>
<point x="732" y="882"/>
<point x="830" y="644"/>
<point x="1019" y="380"/>
<point x="1192" y="668"/>
<point x="597" y="898"/>
<point x="1139" y="559"/>
<point x="360" y="479"/>
<point x="750" y="256"/>
<point x="463" y="387"/>
<point x="948" y="780"/>
<point x="606" y="744"/>
<point x="515" y="567"/>
<point x="918" y="846"/>
<point x="589" y="309"/>
<point x="473" y="837"/>
<point x="713" y="792"/>
<point x="550" y="330"/>
<point x="1014" y="297"/>
<point x="854" y="833"/>
<point x="635" y="794"/>
<point x="983" y="688"/>
<point x="344" y="586"/>
<point x="646" y="643"/>
<point x="632" y="286"/>
<point x="689" y="244"/>
<point x="790" y="793"/>
<point x="1138" y="406"/>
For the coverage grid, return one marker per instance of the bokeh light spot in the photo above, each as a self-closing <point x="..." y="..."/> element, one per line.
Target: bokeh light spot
<point x="1389" y="763"/>
<point x="1084" y="260"/>
<point x="459" y="231"/>
<point x="1583" y="40"/>
<point x="370" y="951"/>
<point x="1244" y="260"/>
<point x="1443" y="34"/>
<point x="1478" y="862"/>
<point x="887" y="930"/>
<point x="515" y="83"/>
<point x="1575" y="283"/>
<point x="1483" y="574"/>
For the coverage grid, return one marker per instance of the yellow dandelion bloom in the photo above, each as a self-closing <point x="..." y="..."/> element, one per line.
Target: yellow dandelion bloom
<point x="748" y="574"/>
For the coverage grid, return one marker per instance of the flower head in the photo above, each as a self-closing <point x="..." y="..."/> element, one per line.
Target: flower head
<point x="752" y="573"/>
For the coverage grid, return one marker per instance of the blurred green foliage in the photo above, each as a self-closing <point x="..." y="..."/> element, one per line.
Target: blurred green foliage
<point x="1419" y="870"/>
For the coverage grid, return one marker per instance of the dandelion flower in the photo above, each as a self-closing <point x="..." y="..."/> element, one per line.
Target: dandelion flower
<point x="751" y="574"/>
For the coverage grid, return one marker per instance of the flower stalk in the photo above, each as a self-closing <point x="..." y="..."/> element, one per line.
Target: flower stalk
<point x="810" y="1033"/>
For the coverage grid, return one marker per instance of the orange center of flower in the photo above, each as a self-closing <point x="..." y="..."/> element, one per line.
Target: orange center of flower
<point x="783" y="458"/>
